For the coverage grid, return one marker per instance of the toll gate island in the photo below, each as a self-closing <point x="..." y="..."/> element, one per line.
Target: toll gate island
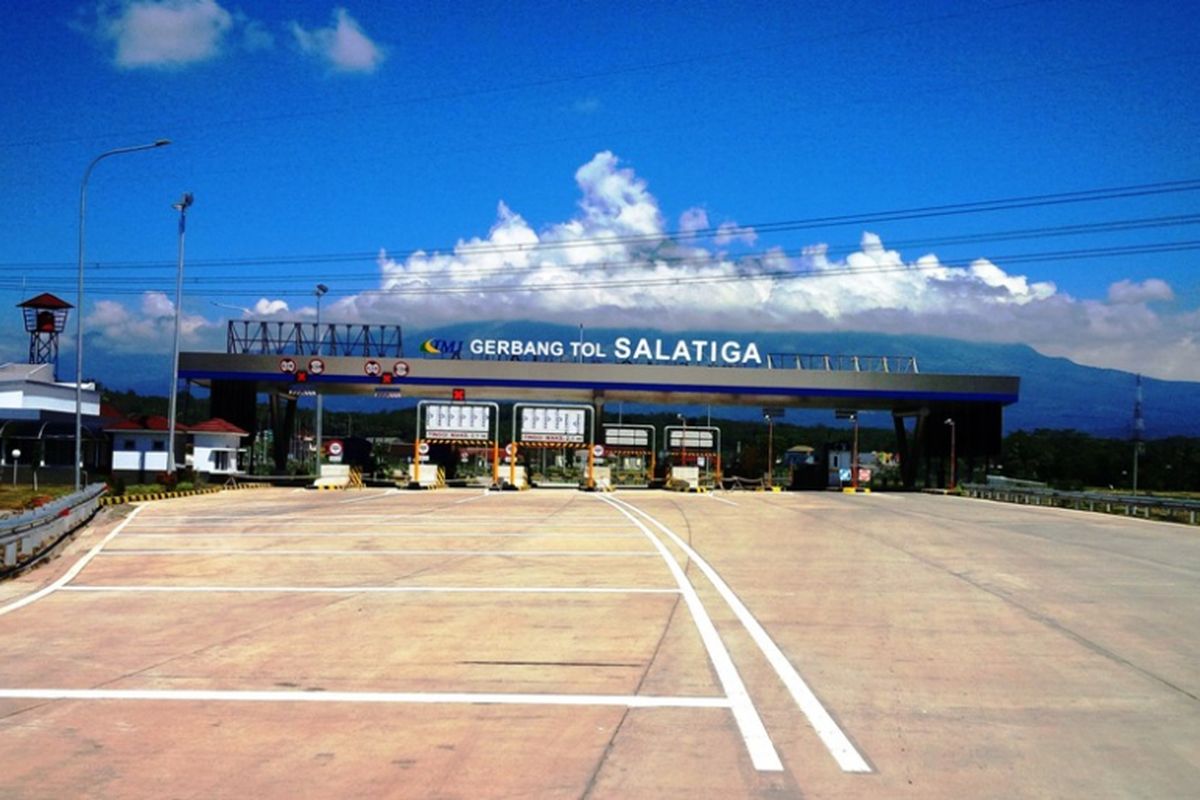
<point x="287" y="360"/>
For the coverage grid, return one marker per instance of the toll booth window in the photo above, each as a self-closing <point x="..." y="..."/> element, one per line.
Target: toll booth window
<point x="130" y="444"/>
<point x="159" y="445"/>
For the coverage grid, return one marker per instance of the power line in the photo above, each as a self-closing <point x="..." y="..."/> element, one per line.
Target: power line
<point x="676" y="279"/>
<point x="866" y="218"/>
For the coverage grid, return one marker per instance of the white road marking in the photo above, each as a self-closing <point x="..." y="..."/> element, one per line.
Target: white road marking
<point x="387" y="493"/>
<point x="758" y="742"/>
<point x="470" y="499"/>
<point x="73" y="571"/>
<point x="722" y="500"/>
<point x="198" y="551"/>
<point x="371" y="589"/>
<point x="834" y="738"/>
<point x="225" y="696"/>
<point x="379" y="535"/>
<point x="391" y="519"/>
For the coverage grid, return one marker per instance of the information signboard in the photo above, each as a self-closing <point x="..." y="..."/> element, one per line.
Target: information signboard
<point x="617" y="436"/>
<point x="458" y="421"/>
<point x="690" y="439"/>
<point x="552" y="424"/>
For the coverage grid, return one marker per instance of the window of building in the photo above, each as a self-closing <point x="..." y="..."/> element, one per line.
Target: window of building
<point x="130" y="444"/>
<point x="159" y="445"/>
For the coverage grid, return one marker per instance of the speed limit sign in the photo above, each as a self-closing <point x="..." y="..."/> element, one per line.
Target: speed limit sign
<point x="598" y="451"/>
<point x="423" y="448"/>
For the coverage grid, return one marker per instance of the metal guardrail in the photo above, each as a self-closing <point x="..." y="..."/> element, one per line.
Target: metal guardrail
<point x="1131" y="505"/>
<point x="22" y="536"/>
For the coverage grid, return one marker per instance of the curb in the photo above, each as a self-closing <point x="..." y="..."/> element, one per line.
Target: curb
<point x="109" y="500"/>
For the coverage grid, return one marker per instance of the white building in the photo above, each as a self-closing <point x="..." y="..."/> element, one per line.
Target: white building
<point x="216" y="445"/>
<point x="37" y="417"/>
<point x="139" y="447"/>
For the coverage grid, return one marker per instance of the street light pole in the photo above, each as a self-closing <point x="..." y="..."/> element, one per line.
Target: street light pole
<point x="770" y="451"/>
<point x="319" y="291"/>
<point x="87" y="173"/>
<point x="953" y="456"/>
<point x="181" y="207"/>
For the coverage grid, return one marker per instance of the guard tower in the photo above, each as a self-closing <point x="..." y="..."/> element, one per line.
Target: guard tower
<point x="45" y="319"/>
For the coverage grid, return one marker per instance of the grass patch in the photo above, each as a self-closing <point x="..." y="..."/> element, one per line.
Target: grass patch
<point x="17" y="498"/>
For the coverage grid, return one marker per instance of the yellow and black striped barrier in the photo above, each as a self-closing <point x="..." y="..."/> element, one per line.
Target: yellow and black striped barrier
<point x="109" y="500"/>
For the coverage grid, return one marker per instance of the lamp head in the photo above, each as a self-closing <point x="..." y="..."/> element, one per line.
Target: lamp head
<point x="320" y="290"/>
<point x="161" y="142"/>
<point x="184" y="202"/>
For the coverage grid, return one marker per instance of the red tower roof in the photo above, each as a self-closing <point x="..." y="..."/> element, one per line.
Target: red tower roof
<point x="45" y="300"/>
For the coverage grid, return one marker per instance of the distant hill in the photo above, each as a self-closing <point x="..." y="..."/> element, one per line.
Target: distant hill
<point x="1055" y="392"/>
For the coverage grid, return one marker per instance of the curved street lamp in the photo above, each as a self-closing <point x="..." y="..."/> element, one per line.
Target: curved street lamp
<point x="79" y="302"/>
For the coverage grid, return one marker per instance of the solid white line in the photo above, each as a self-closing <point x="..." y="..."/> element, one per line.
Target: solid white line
<point x="758" y="742"/>
<point x="470" y="499"/>
<point x="377" y="535"/>
<point x="722" y="500"/>
<point x="225" y="696"/>
<point x="371" y="589"/>
<point x="73" y="571"/>
<point x="834" y="738"/>
<point x="199" y="551"/>
<point x="387" y="493"/>
<point x="392" y="519"/>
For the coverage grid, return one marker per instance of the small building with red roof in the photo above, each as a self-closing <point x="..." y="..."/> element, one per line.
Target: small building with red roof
<point x="139" y="446"/>
<point x="216" y="447"/>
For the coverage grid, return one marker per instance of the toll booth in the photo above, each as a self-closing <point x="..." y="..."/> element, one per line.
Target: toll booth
<point x="447" y="426"/>
<point x="629" y="453"/>
<point x="554" y="443"/>
<point x="694" y="452"/>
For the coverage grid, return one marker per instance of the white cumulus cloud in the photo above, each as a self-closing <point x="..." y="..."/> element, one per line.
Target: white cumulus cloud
<point x="163" y="33"/>
<point x="1151" y="289"/>
<point x="614" y="264"/>
<point x="343" y="46"/>
<point x="149" y="329"/>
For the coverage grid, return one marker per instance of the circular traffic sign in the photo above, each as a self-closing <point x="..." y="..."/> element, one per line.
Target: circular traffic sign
<point x="334" y="447"/>
<point x="316" y="366"/>
<point x="373" y="369"/>
<point x="400" y="369"/>
<point x="598" y="451"/>
<point x="509" y="449"/>
<point x="287" y="366"/>
<point x="423" y="448"/>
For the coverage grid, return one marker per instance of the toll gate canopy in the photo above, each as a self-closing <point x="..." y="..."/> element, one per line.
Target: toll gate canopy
<point x="338" y="359"/>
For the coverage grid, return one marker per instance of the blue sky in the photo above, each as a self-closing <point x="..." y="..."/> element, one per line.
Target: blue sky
<point x="641" y="154"/>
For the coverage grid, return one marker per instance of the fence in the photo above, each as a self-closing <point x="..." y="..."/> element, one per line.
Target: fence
<point x="25" y="536"/>
<point x="1131" y="505"/>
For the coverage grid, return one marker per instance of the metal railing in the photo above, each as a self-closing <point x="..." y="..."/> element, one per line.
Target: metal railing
<point x="829" y="362"/>
<point x="262" y="337"/>
<point x="1130" y="505"/>
<point x="24" y="536"/>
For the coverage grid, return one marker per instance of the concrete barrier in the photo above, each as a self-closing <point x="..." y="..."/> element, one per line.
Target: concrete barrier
<point x="333" y="476"/>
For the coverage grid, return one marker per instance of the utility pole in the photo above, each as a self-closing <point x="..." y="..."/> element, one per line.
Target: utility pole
<point x="1139" y="432"/>
<point x="953" y="457"/>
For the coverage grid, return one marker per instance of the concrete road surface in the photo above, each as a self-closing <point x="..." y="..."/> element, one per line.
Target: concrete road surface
<point x="557" y="644"/>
